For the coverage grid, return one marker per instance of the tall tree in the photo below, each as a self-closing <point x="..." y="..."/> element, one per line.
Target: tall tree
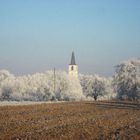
<point x="127" y="79"/>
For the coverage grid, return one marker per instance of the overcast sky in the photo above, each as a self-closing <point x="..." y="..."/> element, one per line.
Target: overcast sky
<point x="37" y="35"/>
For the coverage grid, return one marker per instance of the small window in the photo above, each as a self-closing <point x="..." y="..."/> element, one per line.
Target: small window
<point x="71" y="67"/>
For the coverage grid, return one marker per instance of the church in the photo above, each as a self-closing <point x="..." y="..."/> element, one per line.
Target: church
<point x="73" y="68"/>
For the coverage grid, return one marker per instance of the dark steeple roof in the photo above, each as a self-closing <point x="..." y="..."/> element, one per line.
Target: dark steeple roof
<point x="72" y="59"/>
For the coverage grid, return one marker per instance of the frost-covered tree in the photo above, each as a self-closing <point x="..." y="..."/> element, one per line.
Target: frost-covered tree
<point x="97" y="87"/>
<point x="39" y="87"/>
<point x="4" y="74"/>
<point x="127" y="79"/>
<point x="75" y="90"/>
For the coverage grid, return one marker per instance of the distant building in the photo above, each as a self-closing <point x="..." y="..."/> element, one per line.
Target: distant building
<point x="73" y="68"/>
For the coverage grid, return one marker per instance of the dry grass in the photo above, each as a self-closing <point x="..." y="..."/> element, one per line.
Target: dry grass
<point x="73" y="120"/>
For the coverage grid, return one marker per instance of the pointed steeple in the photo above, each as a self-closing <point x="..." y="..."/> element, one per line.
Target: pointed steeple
<point x="73" y="68"/>
<point x="73" y="59"/>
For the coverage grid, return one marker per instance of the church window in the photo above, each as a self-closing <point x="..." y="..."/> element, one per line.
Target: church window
<point x="72" y="68"/>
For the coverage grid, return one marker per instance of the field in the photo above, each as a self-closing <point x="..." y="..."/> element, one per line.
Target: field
<point x="71" y="120"/>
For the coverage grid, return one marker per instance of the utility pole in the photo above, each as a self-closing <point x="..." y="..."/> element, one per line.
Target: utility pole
<point x="54" y="81"/>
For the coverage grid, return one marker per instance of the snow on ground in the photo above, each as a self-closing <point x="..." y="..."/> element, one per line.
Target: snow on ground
<point x="14" y="103"/>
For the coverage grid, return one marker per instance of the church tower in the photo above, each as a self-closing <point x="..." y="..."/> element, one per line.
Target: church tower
<point x="73" y="68"/>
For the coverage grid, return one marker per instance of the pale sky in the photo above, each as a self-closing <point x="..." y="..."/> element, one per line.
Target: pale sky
<point x="38" y="35"/>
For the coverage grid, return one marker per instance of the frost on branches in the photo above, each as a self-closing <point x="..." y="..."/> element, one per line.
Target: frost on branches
<point x="125" y="84"/>
<point x="127" y="80"/>
<point x="99" y="88"/>
<point x="39" y="87"/>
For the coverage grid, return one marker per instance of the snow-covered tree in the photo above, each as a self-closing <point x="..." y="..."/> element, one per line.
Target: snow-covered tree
<point x="4" y="74"/>
<point x="127" y="79"/>
<point x="97" y="87"/>
<point x="75" y="90"/>
<point x="39" y="87"/>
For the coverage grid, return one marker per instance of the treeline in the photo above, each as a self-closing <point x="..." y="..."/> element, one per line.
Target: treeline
<point x="124" y="85"/>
